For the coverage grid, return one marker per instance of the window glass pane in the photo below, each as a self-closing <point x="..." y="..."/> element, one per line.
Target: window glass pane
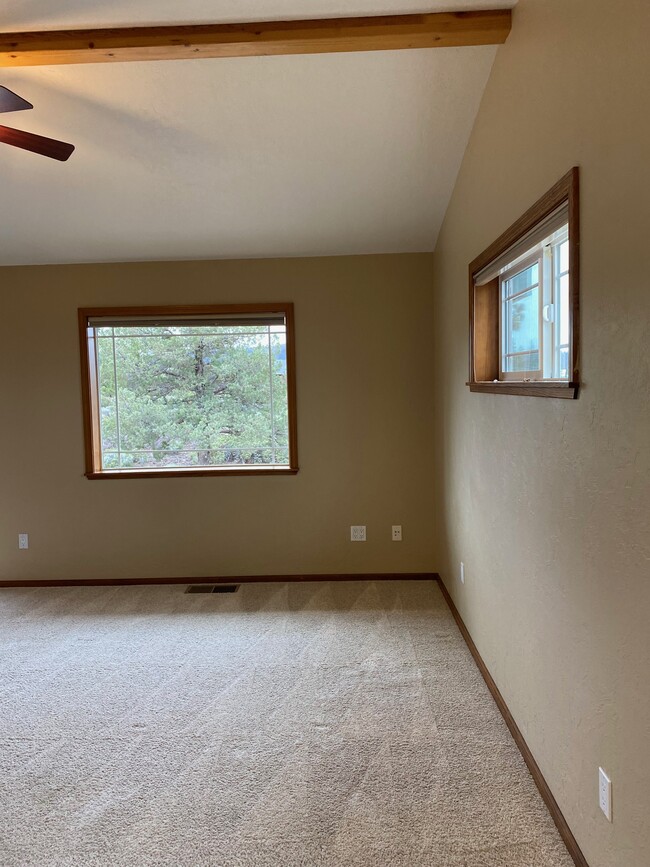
<point x="564" y="256"/>
<point x="564" y="309"/>
<point x="522" y="322"/>
<point x="524" y="280"/>
<point x="107" y="403"/>
<point x="280" y="392"/>
<point x="521" y="363"/>
<point x="111" y="461"/>
<point x="168" y="459"/>
<point x="564" y="363"/>
<point x="193" y="396"/>
<point x="193" y="329"/>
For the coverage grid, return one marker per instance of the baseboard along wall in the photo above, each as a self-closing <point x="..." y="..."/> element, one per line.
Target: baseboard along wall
<point x="230" y="579"/>
<point x="547" y="796"/>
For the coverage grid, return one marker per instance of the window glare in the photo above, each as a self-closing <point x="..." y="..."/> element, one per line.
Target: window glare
<point x="564" y="309"/>
<point x="523" y="280"/>
<point x="564" y="257"/>
<point x="523" y="322"/>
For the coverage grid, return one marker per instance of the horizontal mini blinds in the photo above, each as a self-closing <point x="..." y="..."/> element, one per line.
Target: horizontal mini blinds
<point x="544" y="229"/>
<point x="267" y="320"/>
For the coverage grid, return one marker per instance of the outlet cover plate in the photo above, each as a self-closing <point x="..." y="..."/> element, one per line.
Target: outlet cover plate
<point x="358" y="533"/>
<point x="605" y="794"/>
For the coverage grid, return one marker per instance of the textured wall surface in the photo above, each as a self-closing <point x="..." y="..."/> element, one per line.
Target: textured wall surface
<point x="547" y="501"/>
<point x="363" y="343"/>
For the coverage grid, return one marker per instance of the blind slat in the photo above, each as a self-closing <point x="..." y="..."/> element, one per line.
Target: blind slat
<point x="263" y="321"/>
<point x="554" y="221"/>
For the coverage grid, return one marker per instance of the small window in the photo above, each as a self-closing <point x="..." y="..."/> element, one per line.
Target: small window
<point x="188" y="390"/>
<point x="534" y="316"/>
<point x="524" y="302"/>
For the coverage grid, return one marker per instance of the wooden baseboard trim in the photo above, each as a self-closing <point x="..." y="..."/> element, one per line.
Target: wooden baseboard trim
<point x="231" y="579"/>
<point x="544" y="790"/>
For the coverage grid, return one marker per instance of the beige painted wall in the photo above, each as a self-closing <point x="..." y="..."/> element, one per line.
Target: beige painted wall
<point x="364" y="358"/>
<point x="547" y="501"/>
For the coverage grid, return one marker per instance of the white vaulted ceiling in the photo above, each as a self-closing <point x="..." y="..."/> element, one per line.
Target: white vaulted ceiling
<point x="244" y="157"/>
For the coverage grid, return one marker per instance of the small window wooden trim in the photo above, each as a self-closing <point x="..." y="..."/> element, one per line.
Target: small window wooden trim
<point x="90" y="391"/>
<point x="485" y="301"/>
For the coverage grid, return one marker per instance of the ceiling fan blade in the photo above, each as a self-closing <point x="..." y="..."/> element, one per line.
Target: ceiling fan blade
<point x="38" y="144"/>
<point x="10" y="101"/>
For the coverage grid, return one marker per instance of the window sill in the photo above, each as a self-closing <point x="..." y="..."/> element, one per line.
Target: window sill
<point x="199" y="471"/>
<point x="565" y="390"/>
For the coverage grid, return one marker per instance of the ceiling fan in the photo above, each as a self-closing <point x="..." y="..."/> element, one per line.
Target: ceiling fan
<point x="29" y="141"/>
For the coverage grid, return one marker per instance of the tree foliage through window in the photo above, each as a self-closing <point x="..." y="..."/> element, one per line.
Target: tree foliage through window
<point x="208" y="395"/>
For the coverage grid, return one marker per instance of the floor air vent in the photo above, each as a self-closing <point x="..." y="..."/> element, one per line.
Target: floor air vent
<point x="212" y="588"/>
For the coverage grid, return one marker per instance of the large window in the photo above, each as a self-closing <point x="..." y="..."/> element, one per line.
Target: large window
<point x="188" y="391"/>
<point x="524" y="302"/>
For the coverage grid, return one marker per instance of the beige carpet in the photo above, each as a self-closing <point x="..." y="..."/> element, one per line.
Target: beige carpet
<point x="318" y="725"/>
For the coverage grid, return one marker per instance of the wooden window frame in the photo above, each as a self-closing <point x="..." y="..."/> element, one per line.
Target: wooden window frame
<point x="485" y="302"/>
<point x="90" y="390"/>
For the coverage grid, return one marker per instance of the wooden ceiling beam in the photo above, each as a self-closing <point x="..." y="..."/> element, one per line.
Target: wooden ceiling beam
<point x="329" y="35"/>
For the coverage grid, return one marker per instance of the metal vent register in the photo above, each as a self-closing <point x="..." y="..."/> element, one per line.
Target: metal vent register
<point x="212" y="588"/>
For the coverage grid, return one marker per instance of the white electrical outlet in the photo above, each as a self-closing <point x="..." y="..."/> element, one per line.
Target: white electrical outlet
<point x="605" y="793"/>
<point x="397" y="533"/>
<point x="23" y="540"/>
<point x="358" y="534"/>
<point x="462" y="573"/>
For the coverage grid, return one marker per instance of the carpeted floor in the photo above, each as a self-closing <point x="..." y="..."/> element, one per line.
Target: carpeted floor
<point x="287" y="725"/>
